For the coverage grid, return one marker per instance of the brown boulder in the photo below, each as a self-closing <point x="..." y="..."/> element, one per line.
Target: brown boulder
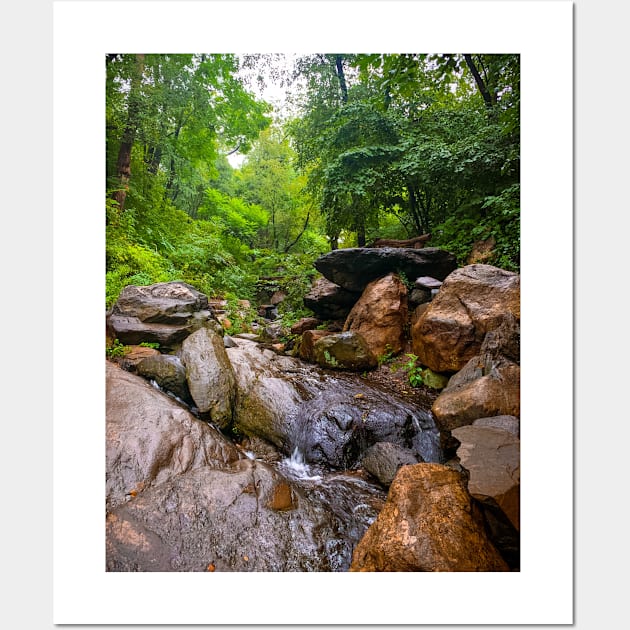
<point x="380" y="315"/>
<point x="492" y="458"/>
<point x="304" y="324"/>
<point x="472" y="301"/>
<point x="493" y="394"/>
<point x="428" y="523"/>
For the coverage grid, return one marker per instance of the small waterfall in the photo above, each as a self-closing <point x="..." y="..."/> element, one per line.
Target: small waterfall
<point x="295" y="467"/>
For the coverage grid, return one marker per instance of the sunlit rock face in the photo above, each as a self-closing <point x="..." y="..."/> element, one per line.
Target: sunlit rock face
<point x="428" y="523"/>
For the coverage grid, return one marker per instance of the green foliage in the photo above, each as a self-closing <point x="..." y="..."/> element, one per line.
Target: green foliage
<point x="330" y="360"/>
<point x="387" y="356"/>
<point x="414" y="371"/>
<point x="149" y="344"/>
<point x="116" y="349"/>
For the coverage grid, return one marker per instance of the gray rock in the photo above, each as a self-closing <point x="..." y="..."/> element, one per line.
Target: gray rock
<point x="383" y="460"/>
<point x="508" y="423"/>
<point x="248" y="518"/>
<point x="164" y="313"/>
<point x="168" y="372"/>
<point x="151" y="439"/>
<point x="209" y="375"/>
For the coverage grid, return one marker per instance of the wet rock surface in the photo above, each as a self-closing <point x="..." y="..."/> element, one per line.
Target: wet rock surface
<point x="245" y="518"/>
<point x="332" y="417"/>
<point x="150" y="438"/>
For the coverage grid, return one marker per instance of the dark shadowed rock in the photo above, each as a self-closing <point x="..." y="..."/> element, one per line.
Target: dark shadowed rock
<point x="383" y="460"/>
<point x="428" y="523"/>
<point x="354" y="268"/>
<point x="329" y="301"/>
<point x="168" y="372"/>
<point x="150" y="438"/>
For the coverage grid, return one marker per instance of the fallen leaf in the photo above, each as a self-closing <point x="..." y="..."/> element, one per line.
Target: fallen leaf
<point x="211" y="567"/>
<point x="359" y="395"/>
<point x="246" y="558"/>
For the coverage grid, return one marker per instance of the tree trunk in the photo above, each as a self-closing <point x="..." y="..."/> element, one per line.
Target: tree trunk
<point x="123" y="165"/>
<point x="481" y="85"/>
<point x="343" y="86"/>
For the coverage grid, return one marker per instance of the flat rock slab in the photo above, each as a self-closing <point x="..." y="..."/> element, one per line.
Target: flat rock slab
<point x="427" y="282"/>
<point x="354" y="268"/>
<point x="492" y="457"/>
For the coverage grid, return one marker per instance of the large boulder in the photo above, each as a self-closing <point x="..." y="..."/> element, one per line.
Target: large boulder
<point x="354" y="268"/>
<point x="330" y="419"/>
<point x="380" y="315"/>
<point x="472" y="301"/>
<point x="209" y="375"/>
<point x="492" y="458"/>
<point x="344" y="351"/>
<point x="150" y="438"/>
<point x="164" y="313"/>
<point x="428" y="523"/>
<point x="247" y="518"/>
<point x="329" y="301"/>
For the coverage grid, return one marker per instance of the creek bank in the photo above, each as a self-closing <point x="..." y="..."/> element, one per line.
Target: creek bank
<point x="310" y="435"/>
